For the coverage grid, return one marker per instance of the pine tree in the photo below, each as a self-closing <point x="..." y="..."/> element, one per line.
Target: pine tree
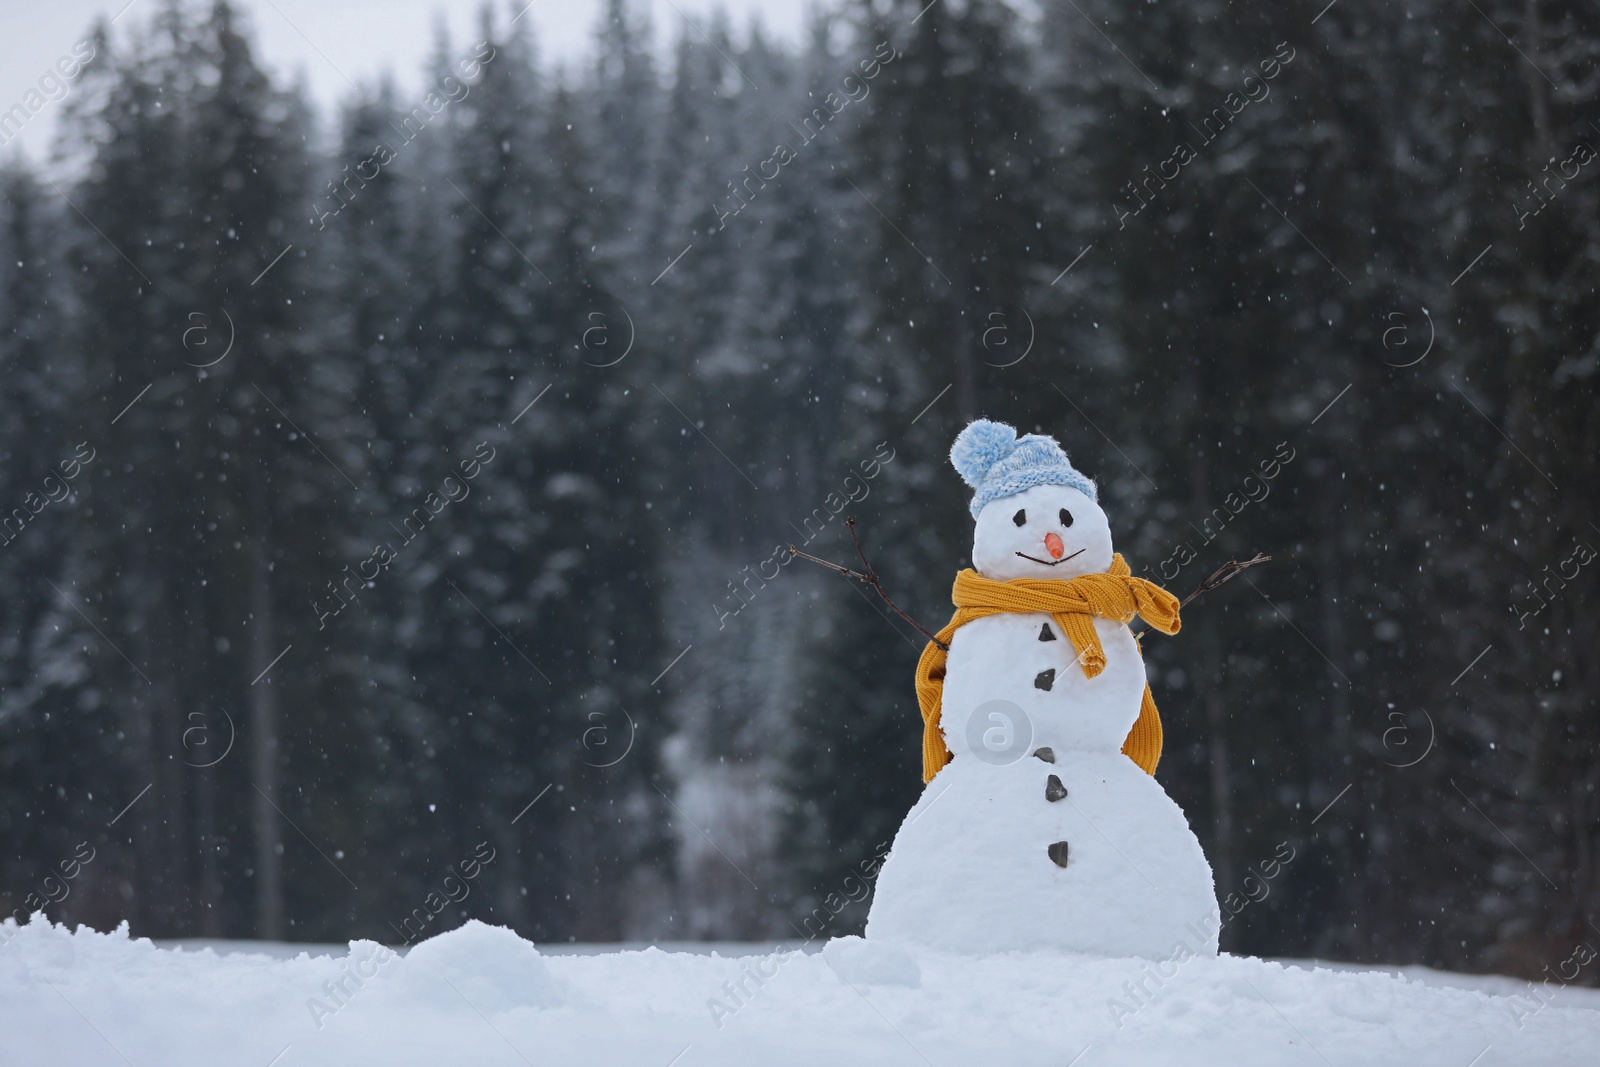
<point x="41" y="466"/>
<point x="522" y="607"/>
<point x="199" y="550"/>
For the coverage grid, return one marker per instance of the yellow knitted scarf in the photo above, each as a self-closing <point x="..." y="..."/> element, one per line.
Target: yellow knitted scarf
<point x="1073" y="603"/>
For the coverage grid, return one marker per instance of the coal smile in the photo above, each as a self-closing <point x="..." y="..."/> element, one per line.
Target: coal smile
<point x="1053" y="562"/>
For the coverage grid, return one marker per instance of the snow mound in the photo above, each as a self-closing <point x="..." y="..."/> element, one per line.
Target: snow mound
<point x="489" y="967"/>
<point x="859" y="962"/>
<point x="479" y="994"/>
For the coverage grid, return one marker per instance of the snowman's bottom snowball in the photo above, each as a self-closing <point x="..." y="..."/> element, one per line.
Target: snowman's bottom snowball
<point x="970" y="869"/>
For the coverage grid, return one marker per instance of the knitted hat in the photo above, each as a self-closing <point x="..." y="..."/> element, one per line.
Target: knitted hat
<point x="994" y="461"/>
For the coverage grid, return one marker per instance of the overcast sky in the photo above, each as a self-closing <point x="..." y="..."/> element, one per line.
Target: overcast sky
<point x="331" y="41"/>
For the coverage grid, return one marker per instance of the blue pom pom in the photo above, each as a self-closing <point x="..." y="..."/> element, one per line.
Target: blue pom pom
<point x="980" y="446"/>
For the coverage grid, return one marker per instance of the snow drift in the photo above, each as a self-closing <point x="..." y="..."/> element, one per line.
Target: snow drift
<point x="482" y="995"/>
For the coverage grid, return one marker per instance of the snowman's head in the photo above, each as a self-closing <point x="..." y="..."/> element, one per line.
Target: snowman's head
<point x="1048" y="531"/>
<point x="1036" y="514"/>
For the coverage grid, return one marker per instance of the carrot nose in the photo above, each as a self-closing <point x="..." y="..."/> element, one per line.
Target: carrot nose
<point x="1054" y="545"/>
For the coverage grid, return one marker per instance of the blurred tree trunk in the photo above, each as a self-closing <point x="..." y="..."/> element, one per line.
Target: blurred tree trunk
<point x="264" y="725"/>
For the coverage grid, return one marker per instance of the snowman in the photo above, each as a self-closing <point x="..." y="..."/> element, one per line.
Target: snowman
<point x="1041" y="825"/>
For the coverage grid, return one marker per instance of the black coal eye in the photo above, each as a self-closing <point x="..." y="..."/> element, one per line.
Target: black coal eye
<point x="1021" y="516"/>
<point x="1066" y="517"/>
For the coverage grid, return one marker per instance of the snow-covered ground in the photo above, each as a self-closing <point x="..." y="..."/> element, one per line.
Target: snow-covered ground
<point x="480" y="995"/>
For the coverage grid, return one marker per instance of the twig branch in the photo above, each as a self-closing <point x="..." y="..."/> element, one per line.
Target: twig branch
<point x="869" y="578"/>
<point x="1221" y="576"/>
<point x="850" y="524"/>
<point x="1231" y="569"/>
<point x="846" y="571"/>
